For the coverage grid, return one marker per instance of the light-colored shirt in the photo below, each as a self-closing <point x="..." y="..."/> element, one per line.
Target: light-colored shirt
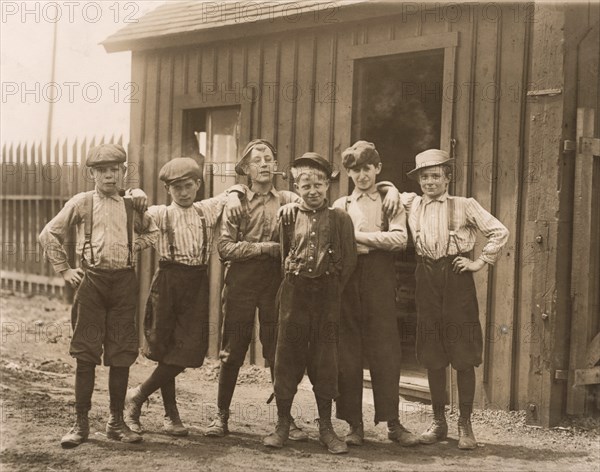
<point x="242" y="241"/>
<point x="187" y="229"/>
<point x="109" y="232"/>
<point x="428" y="222"/>
<point x="365" y="209"/>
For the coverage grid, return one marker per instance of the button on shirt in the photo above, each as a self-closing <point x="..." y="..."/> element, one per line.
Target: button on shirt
<point x="431" y="217"/>
<point x="242" y="241"/>
<point x="109" y="232"/>
<point x="187" y="227"/>
<point x="365" y="209"/>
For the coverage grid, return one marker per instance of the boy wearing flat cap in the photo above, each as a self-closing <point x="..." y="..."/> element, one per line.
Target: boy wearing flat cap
<point x="109" y="234"/>
<point x="444" y="228"/>
<point x="250" y="247"/>
<point x="369" y="323"/>
<point x="176" y="320"/>
<point x="319" y="255"/>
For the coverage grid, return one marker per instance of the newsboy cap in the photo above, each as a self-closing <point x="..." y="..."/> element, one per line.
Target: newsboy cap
<point x="106" y="154"/>
<point x="429" y="158"/>
<point x="180" y="168"/>
<point x="315" y="160"/>
<point x="359" y="154"/>
<point x="239" y="167"/>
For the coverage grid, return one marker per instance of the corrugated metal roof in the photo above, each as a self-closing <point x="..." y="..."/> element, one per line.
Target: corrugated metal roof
<point x="185" y="18"/>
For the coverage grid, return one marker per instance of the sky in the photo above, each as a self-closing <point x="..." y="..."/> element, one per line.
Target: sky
<point x="91" y="90"/>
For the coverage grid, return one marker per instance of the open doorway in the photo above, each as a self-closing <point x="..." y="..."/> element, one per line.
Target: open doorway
<point x="397" y="105"/>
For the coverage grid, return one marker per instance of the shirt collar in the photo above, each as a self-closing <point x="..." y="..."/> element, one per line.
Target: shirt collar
<point x="303" y="207"/>
<point x="116" y="197"/>
<point x="442" y="198"/>
<point x="357" y="194"/>
<point x="251" y="194"/>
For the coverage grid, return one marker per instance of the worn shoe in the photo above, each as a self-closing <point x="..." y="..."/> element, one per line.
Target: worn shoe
<point x="281" y="434"/>
<point x="329" y="439"/>
<point x="466" y="438"/>
<point x="437" y="431"/>
<point x="78" y="433"/>
<point x="218" y="428"/>
<point x="117" y="430"/>
<point x="401" y="435"/>
<point x="172" y="422"/>
<point x="134" y="400"/>
<point x="296" y="433"/>
<point x="356" y="434"/>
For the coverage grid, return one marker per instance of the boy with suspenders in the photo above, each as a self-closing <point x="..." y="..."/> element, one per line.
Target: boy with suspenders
<point x="104" y="307"/>
<point x="176" y="319"/>
<point x="444" y="229"/>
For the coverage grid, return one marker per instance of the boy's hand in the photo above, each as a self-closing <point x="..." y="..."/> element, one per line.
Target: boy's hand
<point x="391" y="202"/>
<point x="72" y="276"/>
<point x="287" y="213"/>
<point x="464" y="264"/>
<point x="271" y="249"/>
<point x="139" y="199"/>
<point x="234" y="208"/>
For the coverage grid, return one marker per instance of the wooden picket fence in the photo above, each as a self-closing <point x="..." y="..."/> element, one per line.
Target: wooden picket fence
<point x="36" y="183"/>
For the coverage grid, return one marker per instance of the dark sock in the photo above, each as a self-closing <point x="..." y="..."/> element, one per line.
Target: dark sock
<point x="437" y="388"/>
<point x="159" y="377"/>
<point x="284" y="407"/>
<point x="117" y="386"/>
<point x="168" y="393"/>
<point x="324" y="407"/>
<point x="466" y="391"/>
<point x="85" y="376"/>
<point x="227" y="380"/>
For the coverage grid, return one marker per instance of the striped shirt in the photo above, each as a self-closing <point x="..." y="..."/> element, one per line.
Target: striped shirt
<point x="109" y="232"/>
<point x="242" y="241"/>
<point x="428" y="222"/>
<point x="366" y="212"/>
<point x="187" y="227"/>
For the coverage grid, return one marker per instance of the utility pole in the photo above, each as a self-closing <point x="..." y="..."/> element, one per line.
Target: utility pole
<point x="52" y="80"/>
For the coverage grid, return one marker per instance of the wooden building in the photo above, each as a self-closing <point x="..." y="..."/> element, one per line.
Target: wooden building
<point x="511" y="90"/>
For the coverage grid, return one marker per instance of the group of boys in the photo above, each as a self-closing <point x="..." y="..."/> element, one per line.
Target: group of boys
<point x="321" y="278"/>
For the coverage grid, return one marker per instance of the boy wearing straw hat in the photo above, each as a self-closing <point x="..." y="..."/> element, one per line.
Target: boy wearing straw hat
<point x="444" y="228"/>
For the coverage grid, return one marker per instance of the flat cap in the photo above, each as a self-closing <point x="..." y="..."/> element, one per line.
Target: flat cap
<point x="106" y="154"/>
<point x="313" y="159"/>
<point x="359" y="154"/>
<point x="239" y="167"/>
<point x="180" y="168"/>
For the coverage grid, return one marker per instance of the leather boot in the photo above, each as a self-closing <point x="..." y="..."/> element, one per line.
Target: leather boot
<point x="279" y="437"/>
<point x="219" y="428"/>
<point x="172" y="422"/>
<point x="296" y="433"/>
<point x="329" y="439"/>
<point x="78" y="433"/>
<point x="398" y="433"/>
<point x="356" y="434"/>
<point x="117" y="430"/>
<point x="134" y="400"/>
<point x="466" y="438"/>
<point x="437" y="431"/>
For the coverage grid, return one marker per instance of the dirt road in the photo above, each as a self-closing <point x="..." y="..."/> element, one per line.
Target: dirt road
<point x="37" y="408"/>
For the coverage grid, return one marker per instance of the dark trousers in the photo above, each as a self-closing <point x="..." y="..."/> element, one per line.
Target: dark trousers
<point x="309" y="316"/>
<point x="103" y="318"/>
<point x="369" y="328"/>
<point x="249" y="285"/>
<point x="448" y="327"/>
<point x="176" y="321"/>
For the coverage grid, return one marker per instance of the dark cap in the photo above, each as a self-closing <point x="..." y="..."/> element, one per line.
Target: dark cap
<point x="106" y="154"/>
<point x="239" y="167"/>
<point x="180" y="168"/>
<point x="312" y="159"/>
<point x="359" y="154"/>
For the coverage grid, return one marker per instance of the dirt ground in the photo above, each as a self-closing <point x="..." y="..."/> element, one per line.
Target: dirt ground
<point x="38" y="407"/>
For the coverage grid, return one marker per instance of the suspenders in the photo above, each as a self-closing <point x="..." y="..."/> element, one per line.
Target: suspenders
<point x="450" y="212"/>
<point x="88" y="223"/>
<point x="171" y="235"/>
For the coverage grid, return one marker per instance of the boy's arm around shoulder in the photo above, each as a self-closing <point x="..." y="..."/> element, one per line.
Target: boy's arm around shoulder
<point x="347" y="245"/>
<point x="146" y="229"/>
